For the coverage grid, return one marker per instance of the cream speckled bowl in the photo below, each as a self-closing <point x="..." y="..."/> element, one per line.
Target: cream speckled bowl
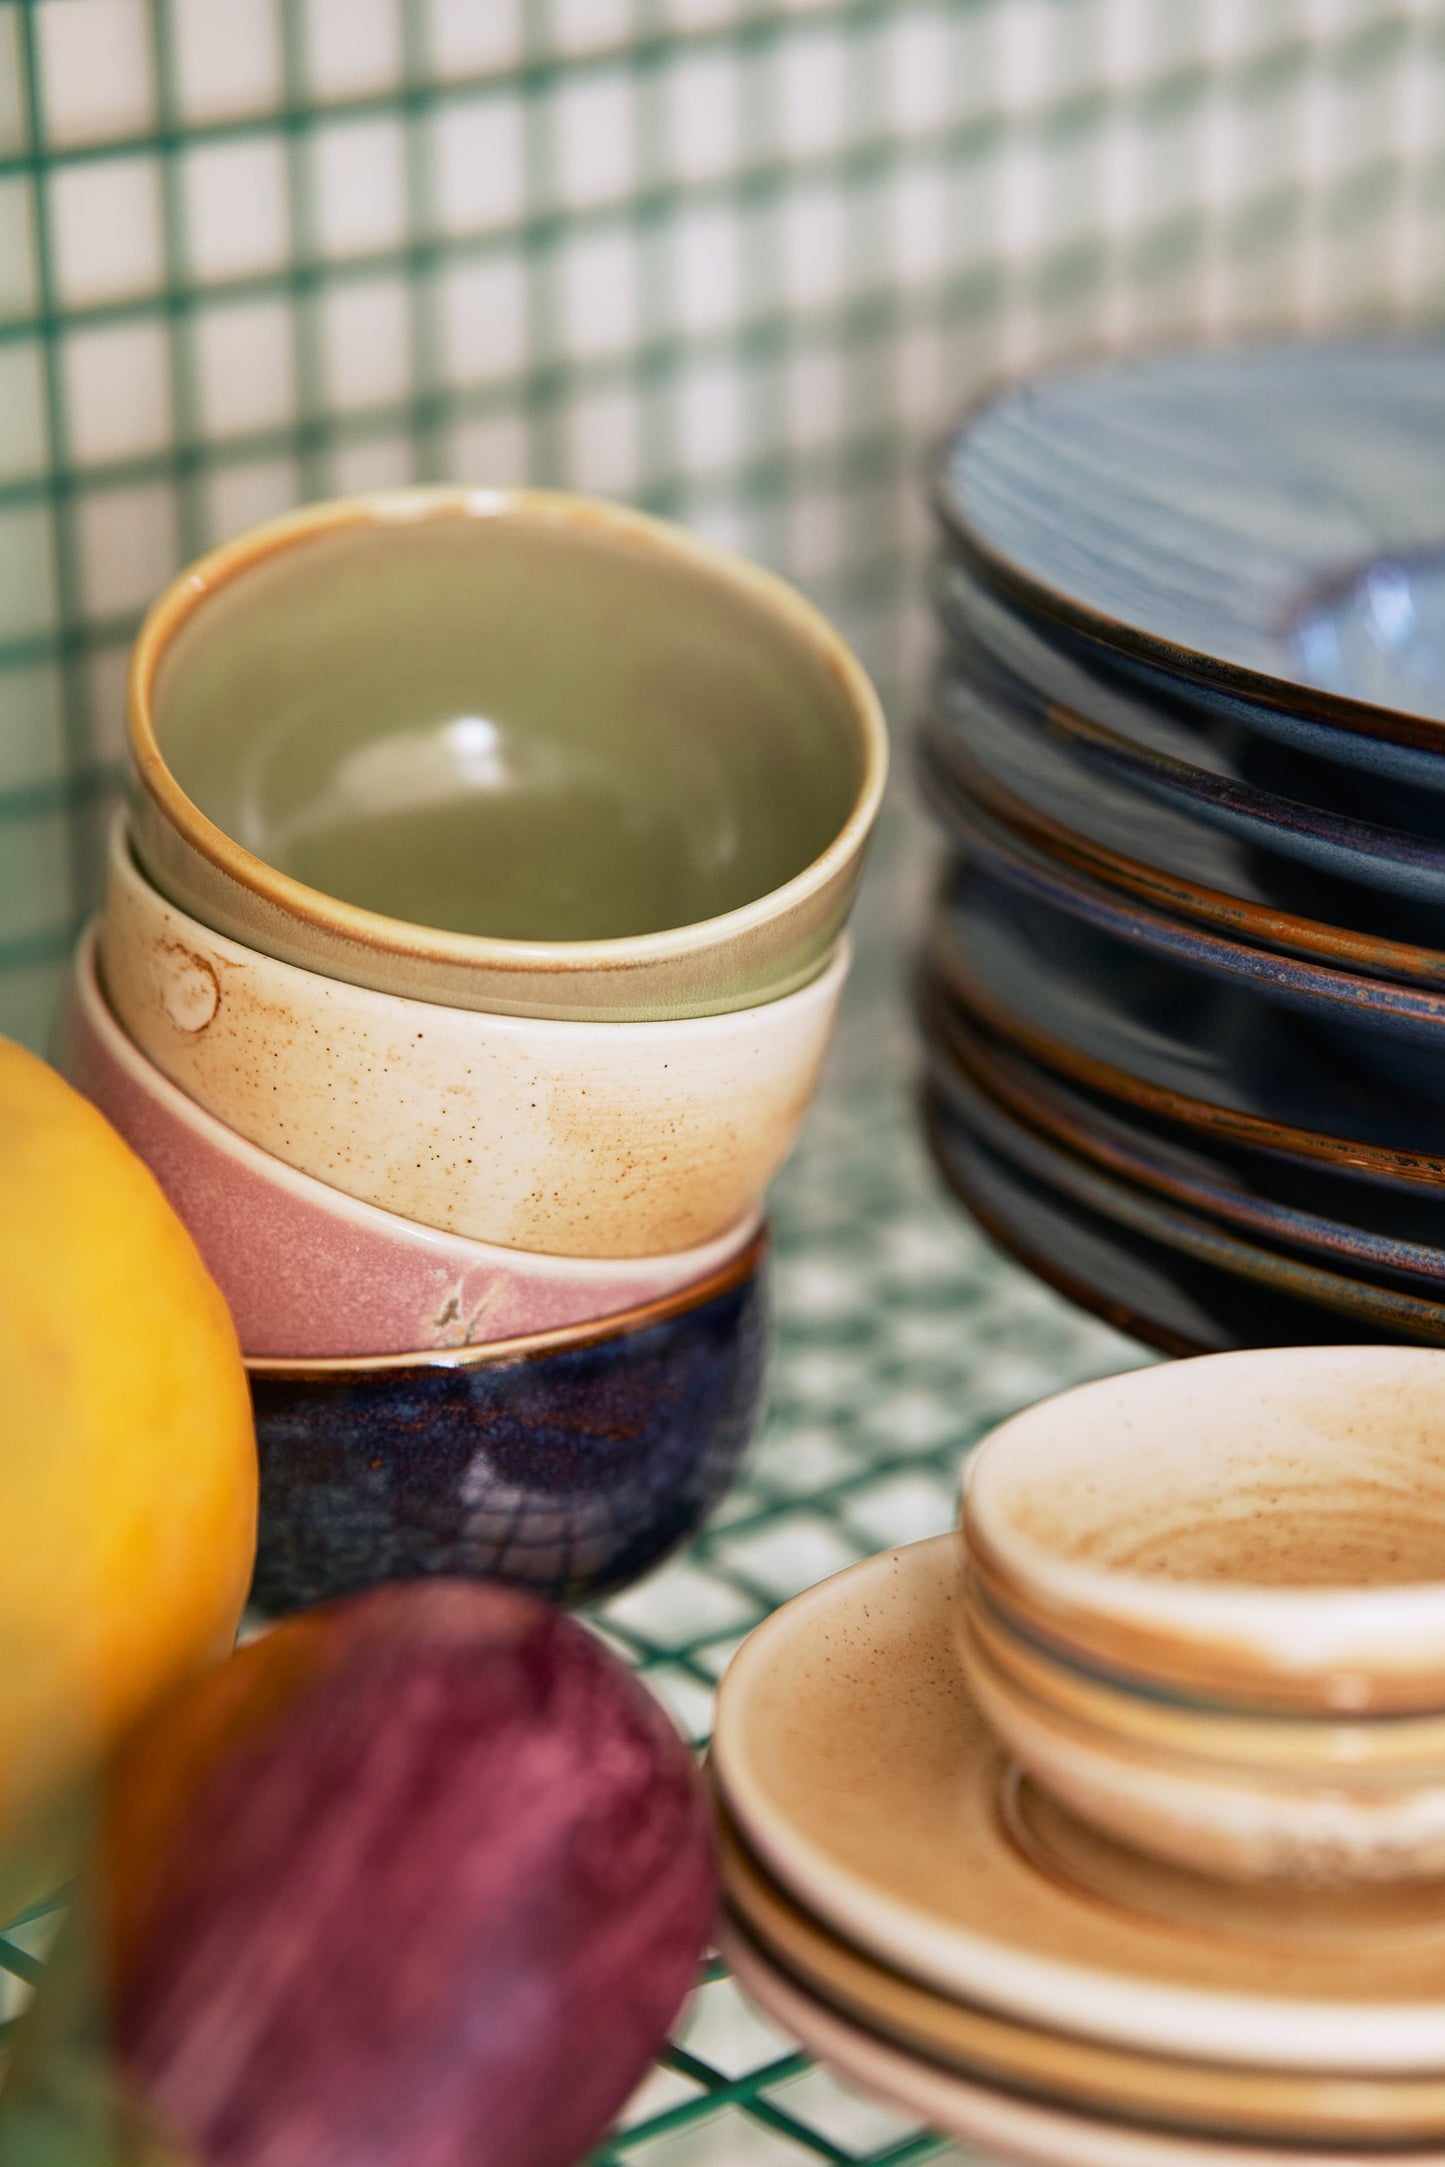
<point x="570" y="1139"/>
<point x="1265" y="1529"/>
<point x="506" y="750"/>
<point x="310" y="1272"/>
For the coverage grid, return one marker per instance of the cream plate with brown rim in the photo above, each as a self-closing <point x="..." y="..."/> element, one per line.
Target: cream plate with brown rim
<point x="1217" y="2098"/>
<point x="1010" y="2127"/>
<point x="859" y="1769"/>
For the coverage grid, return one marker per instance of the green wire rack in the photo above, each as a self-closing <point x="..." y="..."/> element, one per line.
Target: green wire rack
<point x="737" y="261"/>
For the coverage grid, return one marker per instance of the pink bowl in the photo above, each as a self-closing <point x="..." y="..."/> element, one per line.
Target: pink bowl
<point x="308" y="1271"/>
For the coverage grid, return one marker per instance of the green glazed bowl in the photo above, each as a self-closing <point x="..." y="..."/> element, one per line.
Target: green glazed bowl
<point x="508" y="751"/>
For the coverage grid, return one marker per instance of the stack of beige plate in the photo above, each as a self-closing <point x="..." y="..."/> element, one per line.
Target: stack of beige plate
<point x="909" y="1898"/>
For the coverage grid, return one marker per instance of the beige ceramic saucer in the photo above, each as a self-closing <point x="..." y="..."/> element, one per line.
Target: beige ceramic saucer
<point x="857" y="1767"/>
<point x="1005" y="2124"/>
<point x="1204" y="2097"/>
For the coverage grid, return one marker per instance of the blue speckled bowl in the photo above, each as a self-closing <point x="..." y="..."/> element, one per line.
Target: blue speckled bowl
<point x="569" y="1462"/>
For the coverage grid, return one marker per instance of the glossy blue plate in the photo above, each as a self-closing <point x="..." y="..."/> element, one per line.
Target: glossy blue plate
<point x="1048" y="787"/>
<point x="1191" y="1234"/>
<point x="1162" y="1294"/>
<point x="1258" y="1198"/>
<point x="1095" y="1004"/>
<point x="1373" y="1022"/>
<point x="1310" y="759"/>
<point x="1286" y="813"/>
<point x="1267" y="520"/>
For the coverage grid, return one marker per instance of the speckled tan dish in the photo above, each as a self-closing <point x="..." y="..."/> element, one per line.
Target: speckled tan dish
<point x="1265" y="1527"/>
<point x="1005" y="2124"/>
<point x="1220" y="2099"/>
<point x="861" y="1772"/>
<point x="1213" y="1807"/>
<point x="505" y="750"/>
<point x="568" y="1139"/>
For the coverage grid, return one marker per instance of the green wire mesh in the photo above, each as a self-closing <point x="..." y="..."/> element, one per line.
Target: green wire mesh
<point x="737" y="261"/>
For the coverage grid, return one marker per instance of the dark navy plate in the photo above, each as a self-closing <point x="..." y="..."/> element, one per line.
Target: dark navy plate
<point x="1270" y="518"/>
<point x="974" y="753"/>
<point x="1171" y="1277"/>
<point x="1359" y="1023"/>
<point x="1062" y="663"/>
<point x="1231" y="1187"/>
<point x="1284" y="817"/>
<point x="1167" y="1300"/>
<point x="1206" y="1039"/>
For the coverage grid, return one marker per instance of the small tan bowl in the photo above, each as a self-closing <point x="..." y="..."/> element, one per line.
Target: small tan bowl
<point x="506" y="750"/>
<point x="1324" y="1748"/>
<point x="1265" y="1529"/>
<point x="1212" y="1814"/>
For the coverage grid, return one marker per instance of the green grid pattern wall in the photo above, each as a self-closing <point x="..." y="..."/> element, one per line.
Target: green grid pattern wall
<point x="737" y="262"/>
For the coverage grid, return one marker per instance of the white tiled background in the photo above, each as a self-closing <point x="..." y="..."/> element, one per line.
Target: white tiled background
<point x="737" y="261"/>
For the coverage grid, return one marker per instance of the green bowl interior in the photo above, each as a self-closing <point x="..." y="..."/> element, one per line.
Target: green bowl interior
<point x="509" y="727"/>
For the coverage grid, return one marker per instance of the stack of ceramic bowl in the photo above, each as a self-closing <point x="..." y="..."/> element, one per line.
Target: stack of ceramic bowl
<point x="1113" y="1834"/>
<point x="468" y="958"/>
<point x="1184" y="990"/>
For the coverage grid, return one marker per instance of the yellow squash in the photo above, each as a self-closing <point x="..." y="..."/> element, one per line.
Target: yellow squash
<point x="127" y="1450"/>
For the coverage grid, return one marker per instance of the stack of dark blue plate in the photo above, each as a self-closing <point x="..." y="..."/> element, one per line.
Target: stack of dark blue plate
<point x="1183" y="989"/>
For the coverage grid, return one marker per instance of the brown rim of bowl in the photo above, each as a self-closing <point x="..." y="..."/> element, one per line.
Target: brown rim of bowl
<point x="411" y="507"/>
<point x="1310" y="938"/>
<point x="953" y="983"/>
<point x="1014" y="585"/>
<point x="565" y="1339"/>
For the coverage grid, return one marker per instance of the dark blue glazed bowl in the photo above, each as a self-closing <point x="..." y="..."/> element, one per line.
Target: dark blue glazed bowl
<point x="569" y="1462"/>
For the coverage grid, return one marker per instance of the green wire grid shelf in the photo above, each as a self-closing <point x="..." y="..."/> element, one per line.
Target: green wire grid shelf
<point x="739" y="262"/>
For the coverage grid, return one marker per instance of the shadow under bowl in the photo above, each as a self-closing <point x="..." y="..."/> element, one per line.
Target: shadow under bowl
<point x="570" y="1462"/>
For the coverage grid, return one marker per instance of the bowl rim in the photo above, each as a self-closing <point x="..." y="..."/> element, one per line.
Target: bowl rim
<point x="554" y="509"/>
<point x="310" y="987"/>
<point x="563" y="1339"/>
<point x="1349" y="1633"/>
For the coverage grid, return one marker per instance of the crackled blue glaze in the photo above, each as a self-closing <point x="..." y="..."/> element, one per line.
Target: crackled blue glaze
<point x="1199" y="507"/>
<point x="570" y="1471"/>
